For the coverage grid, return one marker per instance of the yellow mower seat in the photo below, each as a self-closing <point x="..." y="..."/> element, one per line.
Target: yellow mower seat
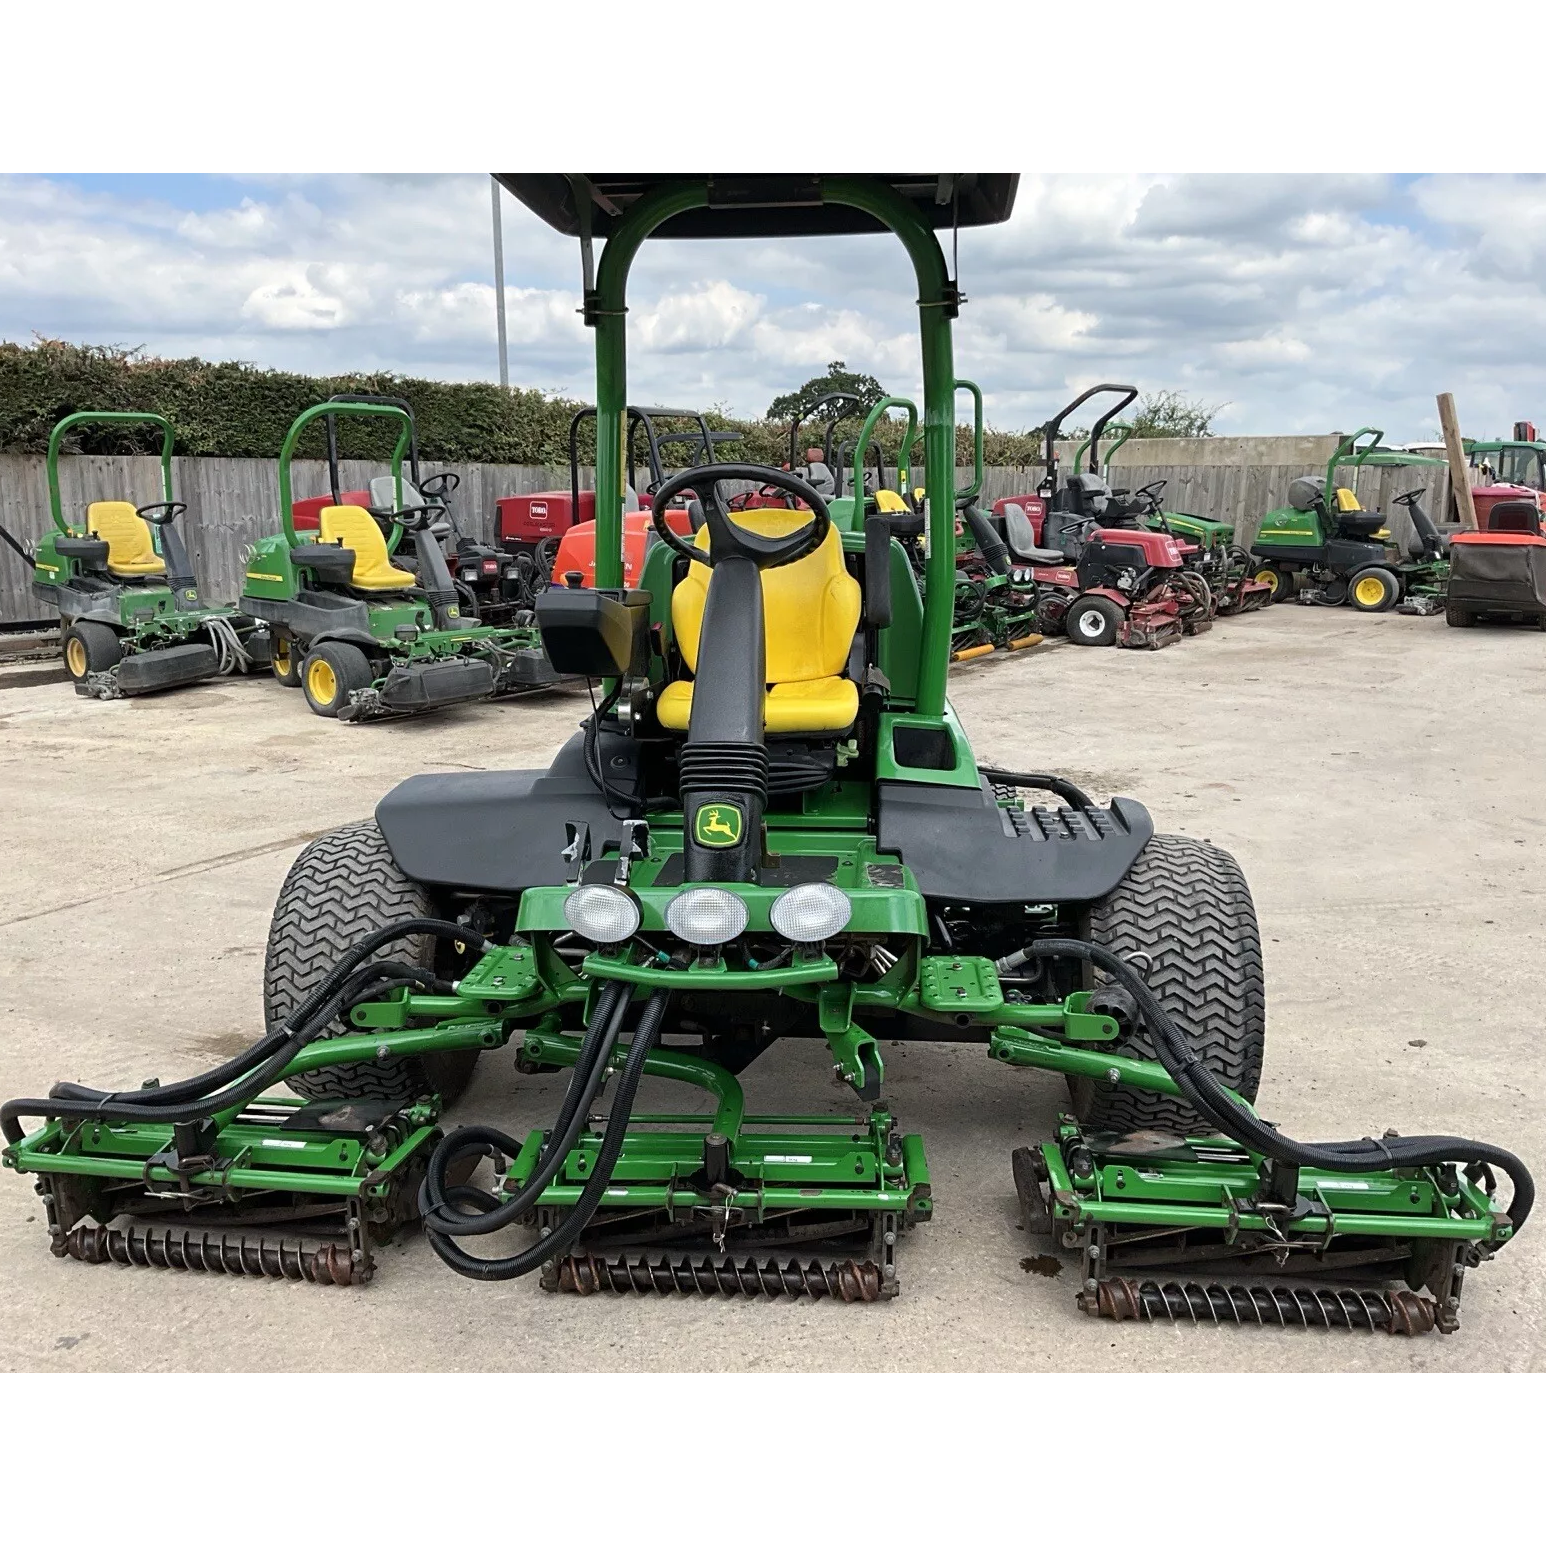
<point x="131" y="551"/>
<point x="810" y="612"/>
<point x="356" y="529"/>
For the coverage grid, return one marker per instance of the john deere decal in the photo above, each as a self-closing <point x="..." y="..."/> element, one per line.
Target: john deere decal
<point x="718" y="826"/>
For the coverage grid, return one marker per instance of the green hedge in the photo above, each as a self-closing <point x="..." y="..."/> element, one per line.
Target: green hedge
<point x="239" y="410"/>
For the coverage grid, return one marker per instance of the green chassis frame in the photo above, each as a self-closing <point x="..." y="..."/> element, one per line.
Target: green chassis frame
<point x="866" y="1176"/>
<point x="274" y="582"/>
<point x="147" y="615"/>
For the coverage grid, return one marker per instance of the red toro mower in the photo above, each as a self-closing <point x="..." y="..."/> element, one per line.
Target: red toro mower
<point x="1499" y="572"/>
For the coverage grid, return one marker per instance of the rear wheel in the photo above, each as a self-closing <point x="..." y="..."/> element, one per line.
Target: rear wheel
<point x="344" y="886"/>
<point x="285" y="660"/>
<point x="1458" y="617"/>
<point x="1373" y="590"/>
<point x="330" y="673"/>
<point x="1279" y="580"/>
<point x="1093" y="620"/>
<point x="1185" y="905"/>
<point x="89" y="648"/>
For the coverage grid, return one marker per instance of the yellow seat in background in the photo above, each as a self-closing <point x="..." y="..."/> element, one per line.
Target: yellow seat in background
<point x="356" y="529"/>
<point x="810" y="611"/>
<point x="131" y="549"/>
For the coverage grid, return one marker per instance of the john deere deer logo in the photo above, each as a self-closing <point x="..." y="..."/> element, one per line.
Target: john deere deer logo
<point x="717" y="826"/>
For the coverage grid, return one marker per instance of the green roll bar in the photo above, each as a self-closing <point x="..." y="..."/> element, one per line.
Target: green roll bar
<point x="56" y="504"/>
<point x="862" y="448"/>
<point x="327" y="410"/>
<point x="976" y="484"/>
<point x="1124" y="433"/>
<point x="936" y="306"/>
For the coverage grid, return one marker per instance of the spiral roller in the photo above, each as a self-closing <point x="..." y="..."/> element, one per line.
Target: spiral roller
<point x="1397" y="1311"/>
<point x="203" y="1250"/>
<point x="851" y="1281"/>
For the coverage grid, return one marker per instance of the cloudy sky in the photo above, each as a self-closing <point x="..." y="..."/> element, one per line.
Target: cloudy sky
<point x="1303" y="304"/>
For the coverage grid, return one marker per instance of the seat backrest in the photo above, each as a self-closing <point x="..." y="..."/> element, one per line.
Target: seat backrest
<point x="1346" y="501"/>
<point x="127" y="534"/>
<point x="1515" y="515"/>
<point x="810" y="608"/>
<point x="1087" y="493"/>
<point x="357" y="530"/>
<point x="383" y="493"/>
<point x="1018" y="531"/>
<point x="889" y="502"/>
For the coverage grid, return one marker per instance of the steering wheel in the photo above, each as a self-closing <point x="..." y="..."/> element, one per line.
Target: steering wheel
<point x="414" y="517"/>
<point x="1409" y="498"/>
<point x="726" y="538"/>
<point x="439" y="484"/>
<point x="1152" y="490"/>
<point x="170" y="510"/>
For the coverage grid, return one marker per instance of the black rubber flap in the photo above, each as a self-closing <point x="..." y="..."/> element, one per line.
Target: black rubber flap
<point x="962" y="846"/>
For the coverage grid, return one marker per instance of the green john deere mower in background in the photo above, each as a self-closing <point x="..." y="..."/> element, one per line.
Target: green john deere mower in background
<point x="1325" y="537"/>
<point x="364" y="637"/>
<point x="131" y="620"/>
<point x="796" y="843"/>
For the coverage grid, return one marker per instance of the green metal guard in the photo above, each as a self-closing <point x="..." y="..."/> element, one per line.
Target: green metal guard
<point x="63" y="427"/>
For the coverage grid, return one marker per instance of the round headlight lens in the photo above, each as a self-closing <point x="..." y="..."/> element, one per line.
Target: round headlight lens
<point x="705" y="915"/>
<point x="603" y="914"/>
<point x="810" y="913"/>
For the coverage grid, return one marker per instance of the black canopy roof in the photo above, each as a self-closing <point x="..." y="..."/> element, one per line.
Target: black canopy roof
<point x="758" y="205"/>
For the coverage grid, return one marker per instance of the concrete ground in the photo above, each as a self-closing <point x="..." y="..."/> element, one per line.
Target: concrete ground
<point x="1378" y="778"/>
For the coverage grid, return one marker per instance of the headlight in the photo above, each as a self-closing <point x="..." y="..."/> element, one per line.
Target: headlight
<point x="810" y="913"/>
<point x="602" y="914"/>
<point x="705" y="915"/>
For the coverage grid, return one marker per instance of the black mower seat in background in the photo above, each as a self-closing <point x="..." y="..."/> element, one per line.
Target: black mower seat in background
<point x="1021" y="537"/>
<point x="1519" y="515"/>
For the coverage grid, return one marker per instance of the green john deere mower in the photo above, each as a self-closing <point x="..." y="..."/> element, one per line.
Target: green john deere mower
<point x="131" y="620"/>
<point x="364" y="637"/>
<point x="795" y="843"/>
<point x="1325" y="536"/>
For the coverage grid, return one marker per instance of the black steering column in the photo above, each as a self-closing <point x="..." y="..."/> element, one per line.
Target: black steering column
<point x="724" y="765"/>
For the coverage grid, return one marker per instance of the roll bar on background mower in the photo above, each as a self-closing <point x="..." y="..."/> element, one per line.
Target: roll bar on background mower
<point x="88" y="416"/>
<point x="1052" y="426"/>
<point x="377" y="408"/>
<point x="334" y="479"/>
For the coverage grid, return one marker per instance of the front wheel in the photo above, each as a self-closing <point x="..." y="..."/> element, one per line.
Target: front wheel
<point x="1278" y="580"/>
<point x="1458" y="617"/>
<point x="90" y="648"/>
<point x="1186" y="906"/>
<point x="1093" y="620"/>
<point x="1373" y="590"/>
<point x="330" y="673"/>
<point x="344" y="886"/>
<point x="285" y="659"/>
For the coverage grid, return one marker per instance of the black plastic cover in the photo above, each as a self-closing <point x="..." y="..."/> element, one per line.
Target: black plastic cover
<point x="593" y="632"/>
<point x="962" y="846"/>
<point x="332" y="564"/>
<point x="176" y="666"/>
<point x="425" y="685"/>
<point x="502" y="831"/>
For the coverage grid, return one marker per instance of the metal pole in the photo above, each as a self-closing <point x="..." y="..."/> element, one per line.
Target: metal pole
<point x="499" y="288"/>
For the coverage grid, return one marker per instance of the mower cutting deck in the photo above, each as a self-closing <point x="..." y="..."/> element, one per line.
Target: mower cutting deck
<point x="772" y="827"/>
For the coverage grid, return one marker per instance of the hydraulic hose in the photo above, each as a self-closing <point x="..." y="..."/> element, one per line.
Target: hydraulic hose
<point x="501" y="1269"/>
<point x="1212" y="1099"/>
<point x="261" y="1065"/>
<point x="606" y="1024"/>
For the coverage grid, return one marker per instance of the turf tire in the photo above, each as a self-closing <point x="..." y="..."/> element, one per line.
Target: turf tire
<point x="1458" y="617"/>
<point x="98" y="649"/>
<point x="345" y="885"/>
<point x="1390" y="592"/>
<point x="1186" y="905"/>
<point x="330" y="672"/>
<point x="1092" y="620"/>
<point x="285" y="657"/>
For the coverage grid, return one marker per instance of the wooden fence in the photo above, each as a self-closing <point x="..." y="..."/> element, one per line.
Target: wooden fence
<point x="232" y="502"/>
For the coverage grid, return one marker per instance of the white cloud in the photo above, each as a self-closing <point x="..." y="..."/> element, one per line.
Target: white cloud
<point x="1306" y="303"/>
